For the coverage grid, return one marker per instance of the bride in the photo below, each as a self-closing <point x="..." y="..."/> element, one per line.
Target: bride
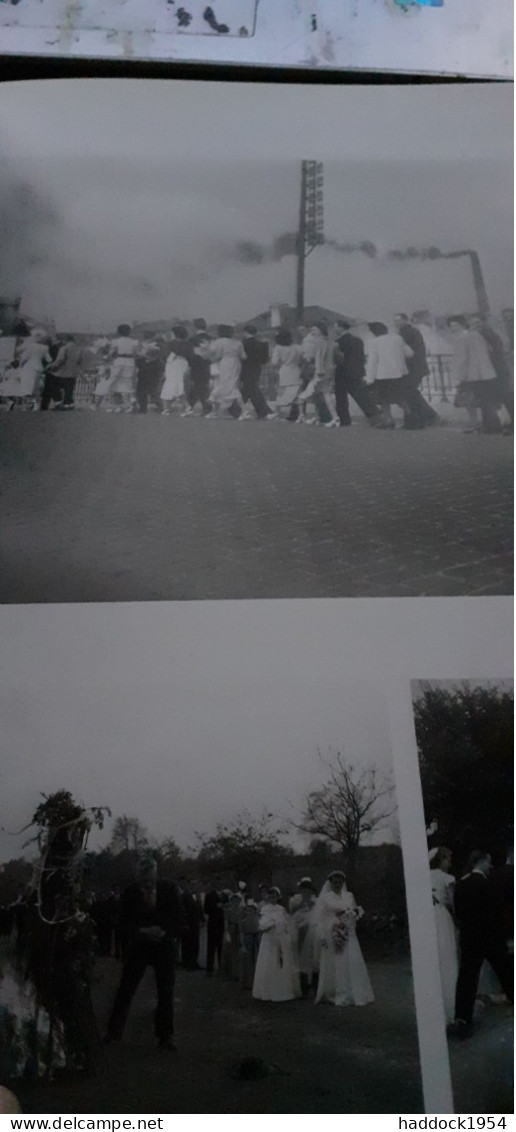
<point x="343" y="977"/>
<point x="275" y="978"/>
<point x="443" y="884"/>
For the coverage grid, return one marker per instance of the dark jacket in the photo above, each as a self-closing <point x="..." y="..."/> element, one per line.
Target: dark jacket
<point x="417" y="365"/>
<point x="214" y="910"/>
<point x="256" y="356"/>
<point x="135" y="914"/>
<point x="350" y="359"/>
<point x="479" y="910"/>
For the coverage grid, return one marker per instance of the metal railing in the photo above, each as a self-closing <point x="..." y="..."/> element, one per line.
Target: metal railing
<point x="437" y="386"/>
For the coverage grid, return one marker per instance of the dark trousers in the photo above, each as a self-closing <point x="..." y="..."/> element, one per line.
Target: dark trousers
<point x="147" y="384"/>
<point x="199" y="392"/>
<point x="215" y="936"/>
<point x="250" y="389"/>
<point x="57" y="389"/>
<point x="471" y="959"/>
<point x="162" y="960"/>
<point x="420" y="413"/>
<point x="345" y="388"/>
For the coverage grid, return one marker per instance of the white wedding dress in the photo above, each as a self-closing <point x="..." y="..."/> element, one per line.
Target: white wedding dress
<point x="343" y="975"/>
<point x="275" y="977"/>
<point x="442" y="895"/>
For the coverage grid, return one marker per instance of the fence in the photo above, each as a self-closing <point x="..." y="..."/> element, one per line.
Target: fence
<point x="437" y="386"/>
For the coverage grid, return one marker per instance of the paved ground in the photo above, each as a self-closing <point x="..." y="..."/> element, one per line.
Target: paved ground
<point x="324" y="1059"/>
<point x="122" y="508"/>
<point x="482" y="1067"/>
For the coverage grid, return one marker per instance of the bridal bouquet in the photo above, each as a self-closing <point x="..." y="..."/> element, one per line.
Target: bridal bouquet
<point x="341" y="928"/>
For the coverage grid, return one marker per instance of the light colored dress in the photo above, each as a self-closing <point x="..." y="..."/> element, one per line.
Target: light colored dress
<point x="32" y="357"/>
<point x="343" y="975"/>
<point x="303" y="934"/>
<point x="442" y="895"/>
<point x="471" y="361"/>
<point x="228" y="355"/>
<point x="288" y="359"/>
<point x="122" y="377"/>
<point x="27" y="1046"/>
<point x="176" y="372"/>
<point x="275" y="977"/>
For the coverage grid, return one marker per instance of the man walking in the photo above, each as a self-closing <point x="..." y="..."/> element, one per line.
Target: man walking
<point x="256" y="356"/>
<point x="482" y="935"/>
<point x="151" y="921"/>
<point x="61" y="375"/>
<point x="419" y="413"/>
<point x="350" y="367"/>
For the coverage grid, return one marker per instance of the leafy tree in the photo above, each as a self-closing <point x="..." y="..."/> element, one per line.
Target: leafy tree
<point x="248" y="846"/>
<point x="465" y="744"/>
<point x="351" y="805"/>
<point x="128" y="835"/>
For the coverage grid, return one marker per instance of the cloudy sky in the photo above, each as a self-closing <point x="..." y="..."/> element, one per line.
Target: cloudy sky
<point x="127" y="200"/>
<point x="182" y="714"/>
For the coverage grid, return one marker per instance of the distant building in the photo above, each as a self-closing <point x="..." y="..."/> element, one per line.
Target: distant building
<point x="281" y="314"/>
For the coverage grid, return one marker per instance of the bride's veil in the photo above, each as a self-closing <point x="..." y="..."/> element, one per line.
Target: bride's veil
<point x="318" y="909"/>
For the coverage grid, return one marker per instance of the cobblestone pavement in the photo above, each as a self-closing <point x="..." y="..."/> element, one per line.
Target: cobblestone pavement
<point x="323" y="1059"/>
<point x="123" y="508"/>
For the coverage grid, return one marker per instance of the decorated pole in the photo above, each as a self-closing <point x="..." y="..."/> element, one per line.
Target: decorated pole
<point x="311" y="225"/>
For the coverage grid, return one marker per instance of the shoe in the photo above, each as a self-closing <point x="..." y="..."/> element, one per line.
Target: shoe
<point x="245" y="416"/>
<point x="333" y="424"/>
<point x="167" y="1043"/>
<point x="271" y="417"/>
<point x="187" y="413"/>
<point x="166" y="413"/>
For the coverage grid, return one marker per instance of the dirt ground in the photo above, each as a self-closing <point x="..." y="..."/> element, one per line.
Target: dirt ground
<point x="321" y="1059"/>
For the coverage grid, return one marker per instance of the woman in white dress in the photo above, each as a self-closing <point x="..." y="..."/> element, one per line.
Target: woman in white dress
<point x="443" y="885"/>
<point x="33" y="356"/>
<point x="301" y="907"/>
<point x="343" y="976"/>
<point x="122" y="376"/>
<point x="275" y="977"/>
<point x="227" y="354"/>
<point x="287" y="356"/>
<point x="177" y="368"/>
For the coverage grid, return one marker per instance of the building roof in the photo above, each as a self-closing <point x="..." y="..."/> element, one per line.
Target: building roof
<point x="288" y="314"/>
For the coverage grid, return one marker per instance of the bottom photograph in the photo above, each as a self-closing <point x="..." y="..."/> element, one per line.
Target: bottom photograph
<point x="464" y="732"/>
<point x="201" y="884"/>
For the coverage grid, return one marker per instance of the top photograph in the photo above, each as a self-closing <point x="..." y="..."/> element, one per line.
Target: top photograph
<point x="279" y="323"/>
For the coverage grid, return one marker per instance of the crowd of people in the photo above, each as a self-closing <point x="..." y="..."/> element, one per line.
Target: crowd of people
<point x="278" y="952"/>
<point x="218" y="373"/>
<point x="303" y="948"/>
<point x="475" y="932"/>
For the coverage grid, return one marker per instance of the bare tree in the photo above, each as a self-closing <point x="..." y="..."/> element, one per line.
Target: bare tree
<point x="351" y="805"/>
<point x="128" y="835"/>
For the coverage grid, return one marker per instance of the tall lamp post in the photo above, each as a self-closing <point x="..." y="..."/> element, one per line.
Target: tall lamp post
<point x="311" y="224"/>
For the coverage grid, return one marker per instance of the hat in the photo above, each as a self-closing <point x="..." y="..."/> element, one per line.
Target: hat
<point x="276" y="890"/>
<point x="337" y="873"/>
<point x="305" y="881"/>
<point x="433" y="853"/>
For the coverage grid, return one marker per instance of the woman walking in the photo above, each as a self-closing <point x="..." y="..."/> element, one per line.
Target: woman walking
<point x="177" y="369"/>
<point x="443" y="885"/>
<point x="287" y="357"/>
<point x="228" y="354"/>
<point x="475" y="375"/>
<point x="387" y="371"/>
<point x="122" y="374"/>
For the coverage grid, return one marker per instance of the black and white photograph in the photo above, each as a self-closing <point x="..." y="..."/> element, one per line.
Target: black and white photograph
<point x="279" y="322"/>
<point x="465" y="742"/>
<point x="202" y="892"/>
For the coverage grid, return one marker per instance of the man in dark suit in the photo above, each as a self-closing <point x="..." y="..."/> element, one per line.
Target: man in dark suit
<point x="350" y="366"/>
<point x="214" y="912"/>
<point x="191" y="929"/>
<point x="419" y="414"/>
<point x="256" y="357"/>
<point x="151" y="921"/>
<point x="482" y="935"/>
